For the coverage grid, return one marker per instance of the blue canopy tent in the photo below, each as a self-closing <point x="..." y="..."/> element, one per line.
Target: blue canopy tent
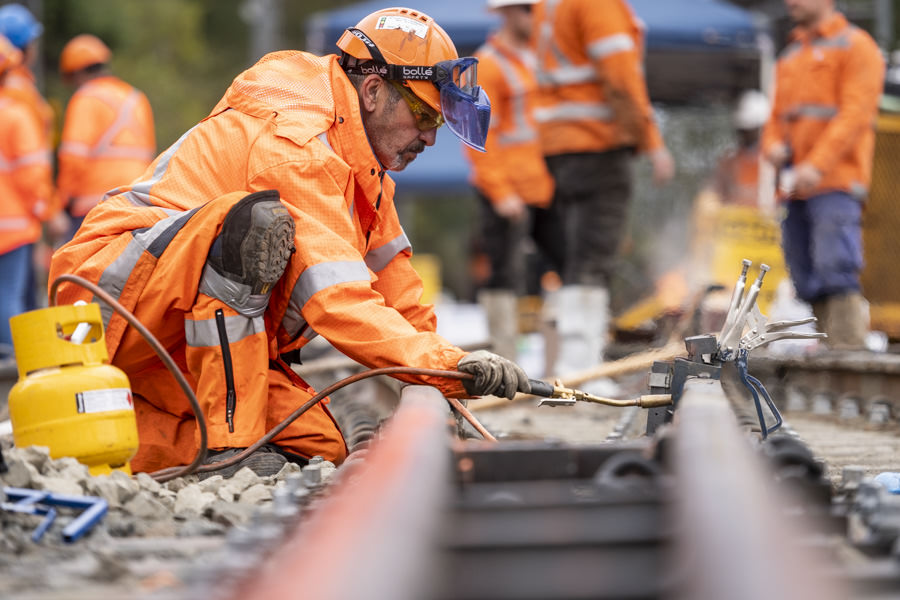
<point x="697" y="51"/>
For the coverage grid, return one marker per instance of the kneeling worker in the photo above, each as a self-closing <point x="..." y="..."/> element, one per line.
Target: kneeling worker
<point x="231" y="274"/>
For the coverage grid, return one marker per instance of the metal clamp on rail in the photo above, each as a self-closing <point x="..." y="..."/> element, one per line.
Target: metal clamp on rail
<point x="707" y="353"/>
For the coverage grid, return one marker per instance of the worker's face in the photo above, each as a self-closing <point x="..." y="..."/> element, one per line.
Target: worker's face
<point x="518" y="17"/>
<point x="391" y="126"/>
<point x="807" y="12"/>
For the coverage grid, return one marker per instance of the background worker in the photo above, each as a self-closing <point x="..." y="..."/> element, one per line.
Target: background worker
<point x="511" y="178"/>
<point x="26" y="187"/>
<point x="200" y="261"/>
<point x="108" y="136"/>
<point x="23" y="30"/>
<point x="594" y="114"/>
<point x="829" y="79"/>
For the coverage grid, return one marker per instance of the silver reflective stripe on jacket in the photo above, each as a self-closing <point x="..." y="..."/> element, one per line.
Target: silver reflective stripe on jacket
<point x="152" y="239"/>
<point x="315" y="279"/>
<point x="565" y="72"/>
<point x="139" y="194"/>
<point x="823" y="112"/>
<point x="236" y="295"/>
<point x="521" y="131"/>
<point x="104" y="147"/>
<point x="378" y="258"/>
<point x="574" y="111"/>
<point x="205" y="333"/>
<point x="38" y="157"/>
<point x="609" y="45"/>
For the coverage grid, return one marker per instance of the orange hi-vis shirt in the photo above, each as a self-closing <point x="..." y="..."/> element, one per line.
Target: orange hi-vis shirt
<point x="593" y="94"/>
<point x="108" y="139"/>
<point x="26" y="178"/>
<point x="513" y="164"/>
<point x="736" y="180"/>
<point x="20" y="80"/>
<point x="292" y="123"/>
<point x="827" y="85"/>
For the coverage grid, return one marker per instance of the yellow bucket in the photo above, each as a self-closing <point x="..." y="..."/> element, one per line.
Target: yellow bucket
<point x="67" y="397"/>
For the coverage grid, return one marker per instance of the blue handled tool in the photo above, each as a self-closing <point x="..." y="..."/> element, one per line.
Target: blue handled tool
<point x="36" y="502"/>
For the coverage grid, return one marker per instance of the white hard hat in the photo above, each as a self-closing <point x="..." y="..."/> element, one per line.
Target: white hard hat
<point x="502" y="3"/>
<point x="752" y="110"/>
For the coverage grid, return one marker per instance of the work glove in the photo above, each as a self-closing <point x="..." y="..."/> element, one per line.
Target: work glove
<point x="494" y="375"/>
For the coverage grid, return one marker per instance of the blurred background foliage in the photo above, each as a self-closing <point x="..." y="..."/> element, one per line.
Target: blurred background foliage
<point x="182" y="53"/>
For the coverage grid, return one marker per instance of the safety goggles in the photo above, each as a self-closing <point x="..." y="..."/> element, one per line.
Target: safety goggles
<point x="465" y="107"/>
<point x="426" y="117"/>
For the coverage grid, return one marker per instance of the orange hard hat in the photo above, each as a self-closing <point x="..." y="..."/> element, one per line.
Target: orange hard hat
<point x="81" y="52"/>
<point x="405" y="37"/>
<point x="10" y="56"/>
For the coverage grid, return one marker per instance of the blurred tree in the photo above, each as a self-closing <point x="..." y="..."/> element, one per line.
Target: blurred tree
<point x="182" y="53"/>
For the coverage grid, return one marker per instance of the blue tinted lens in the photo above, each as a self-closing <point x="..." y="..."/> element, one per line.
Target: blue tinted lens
<point x="467" y="116"/>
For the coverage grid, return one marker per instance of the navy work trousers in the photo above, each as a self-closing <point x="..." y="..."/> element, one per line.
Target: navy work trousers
<point x="822" y="241"/>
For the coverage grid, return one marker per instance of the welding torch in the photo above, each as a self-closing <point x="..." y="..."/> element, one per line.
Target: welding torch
<point x="556" y="394"/>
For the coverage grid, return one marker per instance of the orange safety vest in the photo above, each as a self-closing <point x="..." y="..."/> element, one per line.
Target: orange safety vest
<point x="736" y="180"/>
<point x="593" y="94"/>
<point x="26" y="180"/>
<point x="108" y="140"/>
<point x="513" y="163"/>
<point x="292" y="123"/>
<point x="20" y="80"/>
<point x="827" y="86"/>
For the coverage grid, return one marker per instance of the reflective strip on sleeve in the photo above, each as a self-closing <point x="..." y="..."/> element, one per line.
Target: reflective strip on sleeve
<point x="205" y="333"/>
<point x="823" y="112"/>
<point x="153" y="239"/>
<point x="379" y="258"/>
<point x="568" y="75"/>
<point x="574" y="111"/>
<point x="609" y="45"/>
<point x="315" y="279"/>
<point x="139" y="194"/>
<point x="14" y="223"/>
<point x="325" y="275"/>
<point x="236" y="295"/>
<point x="40" y="157"/>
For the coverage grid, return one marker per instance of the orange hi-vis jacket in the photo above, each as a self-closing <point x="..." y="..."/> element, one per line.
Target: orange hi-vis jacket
<point x="513" y="164"/>
<point x="26" y="178"/>
<point x="20" y="81"/>
<point x="827" y="85"/>
<point x="593" y="94"/>
<point x="736" y="180"/>
<point x="291" y="122"/>
<point x="108" y="139"/>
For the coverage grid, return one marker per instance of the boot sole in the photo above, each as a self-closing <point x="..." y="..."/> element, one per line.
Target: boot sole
<point x="268" y="245"/>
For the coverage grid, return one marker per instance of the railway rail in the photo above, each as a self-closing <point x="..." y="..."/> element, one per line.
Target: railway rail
<point x="573" y="502"/>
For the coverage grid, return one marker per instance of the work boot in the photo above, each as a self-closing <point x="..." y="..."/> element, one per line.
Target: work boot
<point x="256" y="242"/>
<point x="820" y="312"/>
<point x="848" y="321"/>
<point x="264" y="462"/>
<point x="501" y="309"/>
<point x="582" y="324"/>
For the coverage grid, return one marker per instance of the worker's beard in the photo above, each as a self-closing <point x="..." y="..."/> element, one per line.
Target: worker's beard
<point x="406" y="156"/>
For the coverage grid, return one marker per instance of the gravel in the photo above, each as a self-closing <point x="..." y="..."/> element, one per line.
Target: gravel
<point x="152" y="534"/>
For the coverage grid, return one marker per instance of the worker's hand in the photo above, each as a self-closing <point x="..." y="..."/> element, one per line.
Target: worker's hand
<point x="663" y="166"/>
<point x="807" y="179"/>
<point x="778" y="154"/>
<point x="58" y="227"/>
<point x="510" y="207"/>
<point x="494" y="375"/>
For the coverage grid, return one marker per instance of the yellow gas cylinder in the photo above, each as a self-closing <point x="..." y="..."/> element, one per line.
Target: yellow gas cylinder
<point x="67" y="397"/>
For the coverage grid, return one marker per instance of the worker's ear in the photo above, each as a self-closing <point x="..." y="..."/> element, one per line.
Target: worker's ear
<point x="372" y="88"/>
